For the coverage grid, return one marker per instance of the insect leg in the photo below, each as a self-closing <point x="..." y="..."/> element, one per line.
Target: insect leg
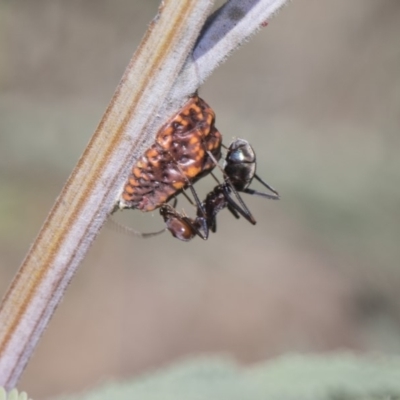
<point x="255" y="192"/>
<point x="266" y="185"/>
<point x="187" y="198"/>
<point x="243" y="208"/>
<point x="215" y="178"/>
<point x="243" y="211"/>
<point x="233" y="211"/>
<point x="192" y="189"/>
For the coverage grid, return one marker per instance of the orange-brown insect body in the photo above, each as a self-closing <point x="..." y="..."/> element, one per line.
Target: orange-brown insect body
<point x="178" y="156"/>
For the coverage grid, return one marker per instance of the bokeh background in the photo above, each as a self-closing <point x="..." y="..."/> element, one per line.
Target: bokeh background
<point x="317" y="93"/>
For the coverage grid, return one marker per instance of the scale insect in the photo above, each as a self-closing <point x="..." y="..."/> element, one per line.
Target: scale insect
<point x="184" y="151"/>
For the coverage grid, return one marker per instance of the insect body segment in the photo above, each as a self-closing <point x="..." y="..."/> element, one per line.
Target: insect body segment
<point x="177" y="159"/>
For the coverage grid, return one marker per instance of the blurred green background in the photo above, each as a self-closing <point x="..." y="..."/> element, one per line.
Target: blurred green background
<point x="317" y="93"/>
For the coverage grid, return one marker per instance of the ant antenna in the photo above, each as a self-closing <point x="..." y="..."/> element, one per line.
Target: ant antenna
<point x="126" y="230"/>
<point x="120" y="228"/>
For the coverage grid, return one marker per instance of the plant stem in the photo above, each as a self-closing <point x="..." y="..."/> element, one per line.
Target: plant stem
<point x="90" y="193"/>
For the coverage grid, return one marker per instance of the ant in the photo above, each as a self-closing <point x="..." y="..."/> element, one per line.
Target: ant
<point x="239" y="171"/>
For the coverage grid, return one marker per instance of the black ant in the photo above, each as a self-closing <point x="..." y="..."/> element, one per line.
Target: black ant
<point x="239" y="171"/>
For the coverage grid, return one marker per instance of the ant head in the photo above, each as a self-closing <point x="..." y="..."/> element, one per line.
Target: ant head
<point x="179" y="226"/>
<point x="240" y="152"/>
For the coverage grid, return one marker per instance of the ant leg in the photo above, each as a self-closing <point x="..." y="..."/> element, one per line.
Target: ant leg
<point x="244" y="212"/>
<point x="203" y="222"/>
<point x="215" y="178"/>
<point x="192" y="189"/>
<point x="192" y="224"/>
<point x="199" y="204"/>
<point x="187" y="198"/>
<point x="243" y="208"/>
<point x="233" y="211"/>
<point x="255" y="192"/>
<point x="267" y="186"/>
<point x="213" y="220"/>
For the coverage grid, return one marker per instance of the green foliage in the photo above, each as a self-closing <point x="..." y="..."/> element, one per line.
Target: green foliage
<point x="12" y="395"/>
<point x="339" y="377"/>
